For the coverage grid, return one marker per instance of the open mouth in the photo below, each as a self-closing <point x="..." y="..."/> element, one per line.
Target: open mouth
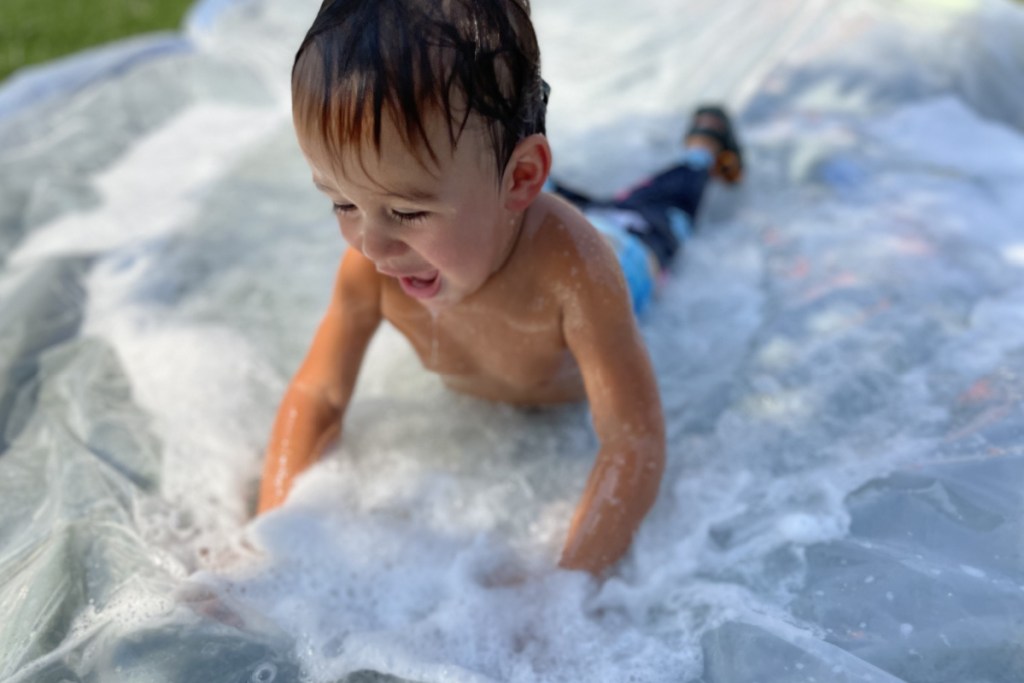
<point x="421" y="287"/>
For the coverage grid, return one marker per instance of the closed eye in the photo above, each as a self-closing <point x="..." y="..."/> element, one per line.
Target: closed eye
<point x="400" y="216"/>
<point x="410" y="216"/>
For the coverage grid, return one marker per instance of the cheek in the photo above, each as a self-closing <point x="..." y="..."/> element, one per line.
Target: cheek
<point x="437" y="248"/>
<point x="349" y="232"/>
<point x="441" y="246"/>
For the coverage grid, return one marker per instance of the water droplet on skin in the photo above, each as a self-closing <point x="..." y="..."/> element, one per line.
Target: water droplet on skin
<point x="433" y="338"/>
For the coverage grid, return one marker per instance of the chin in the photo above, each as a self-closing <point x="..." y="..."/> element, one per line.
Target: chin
<point x="448" y="296"/>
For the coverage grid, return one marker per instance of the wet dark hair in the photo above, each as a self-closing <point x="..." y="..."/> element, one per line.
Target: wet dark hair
<point x="409" y="58"/>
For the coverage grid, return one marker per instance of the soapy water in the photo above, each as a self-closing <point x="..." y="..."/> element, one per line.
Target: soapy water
<point x="839" y="352"/>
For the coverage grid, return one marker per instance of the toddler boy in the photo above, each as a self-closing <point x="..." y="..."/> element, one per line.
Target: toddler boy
<point x="423" y="122"/>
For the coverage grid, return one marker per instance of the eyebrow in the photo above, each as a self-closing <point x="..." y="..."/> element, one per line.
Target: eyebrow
<point x="407" y="192"/>
<point x="413" y="193"/>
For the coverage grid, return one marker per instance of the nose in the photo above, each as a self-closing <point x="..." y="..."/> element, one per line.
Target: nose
<point x="378" y="245"/>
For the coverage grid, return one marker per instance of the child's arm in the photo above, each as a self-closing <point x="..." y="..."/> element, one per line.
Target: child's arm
<point x="601" y="332"/>
<point x="310" y="414"/>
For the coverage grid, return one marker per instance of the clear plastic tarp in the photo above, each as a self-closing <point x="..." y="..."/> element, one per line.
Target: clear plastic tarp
<point x="840" y="352"/>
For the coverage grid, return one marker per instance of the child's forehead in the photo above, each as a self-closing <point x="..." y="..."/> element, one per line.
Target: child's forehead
<point x="434" y="155"/>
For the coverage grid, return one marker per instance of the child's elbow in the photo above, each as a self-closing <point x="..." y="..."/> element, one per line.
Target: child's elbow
<point x="315" y="399"/>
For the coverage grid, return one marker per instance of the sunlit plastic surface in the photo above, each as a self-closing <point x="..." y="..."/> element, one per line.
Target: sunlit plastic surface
<point x="840" y="352"/>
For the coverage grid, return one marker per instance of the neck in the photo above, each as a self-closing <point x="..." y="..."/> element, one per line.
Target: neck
<point x="518" y="220"/>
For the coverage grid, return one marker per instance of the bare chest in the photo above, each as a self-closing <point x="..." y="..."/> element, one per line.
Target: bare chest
<point x="514" y="353"/>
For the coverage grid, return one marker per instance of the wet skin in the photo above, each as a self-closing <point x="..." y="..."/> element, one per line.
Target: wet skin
<point x="519" y="356"/>
<point x="506" y="292"/>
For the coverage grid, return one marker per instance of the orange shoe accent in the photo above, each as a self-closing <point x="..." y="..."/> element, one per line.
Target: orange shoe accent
<point x="728" y="163"/>
<point x="728" y="167"/>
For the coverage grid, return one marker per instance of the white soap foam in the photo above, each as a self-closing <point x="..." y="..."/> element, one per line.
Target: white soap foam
<point x="204" y="385"/>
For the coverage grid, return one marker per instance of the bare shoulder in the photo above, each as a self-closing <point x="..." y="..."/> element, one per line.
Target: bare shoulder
<point x="599" y="326"/>
<point x="560" y="221"/>
<point x="568" y="250"/>
<point x="579" y="264"/>
<point x="357" y="286"/>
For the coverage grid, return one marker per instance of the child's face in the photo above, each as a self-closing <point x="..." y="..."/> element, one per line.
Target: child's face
<point x="440" y="229"/>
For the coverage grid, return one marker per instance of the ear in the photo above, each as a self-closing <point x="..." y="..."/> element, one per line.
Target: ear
<point x="526" y="172"/>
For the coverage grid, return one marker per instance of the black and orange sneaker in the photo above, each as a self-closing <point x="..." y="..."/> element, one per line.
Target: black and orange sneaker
<point x="711" y="121"/>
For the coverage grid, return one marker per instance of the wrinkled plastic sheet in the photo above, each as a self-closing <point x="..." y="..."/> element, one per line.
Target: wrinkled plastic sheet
<point x="839" y="352"/>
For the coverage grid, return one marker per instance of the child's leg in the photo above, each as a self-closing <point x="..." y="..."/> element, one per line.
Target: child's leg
<point x="681" y="185"/>
<point x="669" y="201"/>
<point x="646" y="225"/>
<point x="622" y="229"/>
<point x="665" y="205"/>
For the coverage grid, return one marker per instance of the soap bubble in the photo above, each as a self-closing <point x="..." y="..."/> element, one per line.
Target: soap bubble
<point x="264" y="673"/>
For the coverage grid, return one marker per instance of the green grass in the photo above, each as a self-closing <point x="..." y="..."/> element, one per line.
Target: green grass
<point x="33" y="31"/>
